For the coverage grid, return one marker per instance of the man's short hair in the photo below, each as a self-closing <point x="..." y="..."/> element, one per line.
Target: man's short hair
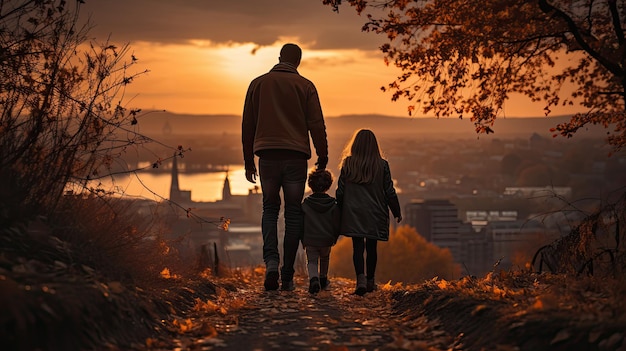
<point x="291" y="53"/>
<point x="320" y="180"/>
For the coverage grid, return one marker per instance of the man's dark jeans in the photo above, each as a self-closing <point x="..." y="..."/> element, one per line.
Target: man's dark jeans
<point x="290" y="175"/>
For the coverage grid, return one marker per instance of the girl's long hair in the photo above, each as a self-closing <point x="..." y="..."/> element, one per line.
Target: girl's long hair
<point x="360" y="162"/>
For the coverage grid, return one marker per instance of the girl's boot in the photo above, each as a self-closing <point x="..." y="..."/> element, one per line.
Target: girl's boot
<point x="371" y="285"/>
<point x="361" y="285"/>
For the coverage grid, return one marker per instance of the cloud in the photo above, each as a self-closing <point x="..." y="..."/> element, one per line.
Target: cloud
<point x="262" y="22"/>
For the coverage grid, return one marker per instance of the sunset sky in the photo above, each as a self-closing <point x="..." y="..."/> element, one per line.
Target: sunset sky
<point x="202" y="54"/>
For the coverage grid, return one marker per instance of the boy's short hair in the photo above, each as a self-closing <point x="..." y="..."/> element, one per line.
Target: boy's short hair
<point x="320" y="180"/>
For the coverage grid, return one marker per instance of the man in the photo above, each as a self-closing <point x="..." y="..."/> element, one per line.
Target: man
<point x="282" y="108"/>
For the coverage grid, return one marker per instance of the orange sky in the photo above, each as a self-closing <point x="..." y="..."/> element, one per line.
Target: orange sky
<point x="200" y="54"/>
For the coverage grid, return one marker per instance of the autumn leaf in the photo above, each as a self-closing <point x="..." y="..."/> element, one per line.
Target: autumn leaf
<point x="562" y="335"/>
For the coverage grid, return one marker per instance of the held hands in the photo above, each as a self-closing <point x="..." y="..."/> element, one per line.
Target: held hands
<point x="399" y="219"/>
<point x="321" y="163"/>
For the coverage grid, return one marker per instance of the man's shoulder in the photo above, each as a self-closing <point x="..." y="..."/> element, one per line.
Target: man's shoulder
<point x="261" y="77"/>
<point x="306" y="80"/>
<point x="290" y="75"/>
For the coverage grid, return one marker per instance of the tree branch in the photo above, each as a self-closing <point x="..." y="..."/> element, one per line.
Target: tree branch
<point x="613" y="67"/>
<point x="617" y="25"/>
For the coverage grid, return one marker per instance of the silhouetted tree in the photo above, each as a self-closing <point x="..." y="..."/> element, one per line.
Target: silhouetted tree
<point x="465" y="58"/>
<point x="60" y="104"/>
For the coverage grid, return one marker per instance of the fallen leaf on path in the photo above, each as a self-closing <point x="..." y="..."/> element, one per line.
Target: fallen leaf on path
<point x="562" y="335"/>
<point x="478" y="309"/>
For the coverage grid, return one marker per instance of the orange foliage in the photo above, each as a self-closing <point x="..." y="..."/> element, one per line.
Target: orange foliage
<point x="183" y="325"/>
<point x="407" y="257"/>
<point x="467" y="68"/>
<point x="166" y="274"/>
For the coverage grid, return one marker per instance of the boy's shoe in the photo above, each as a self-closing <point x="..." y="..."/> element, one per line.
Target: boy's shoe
<point x="324" y="283"/>
<point x="360" y="291"/>
<point x="271" y="281"/>
<point x="314" y="285"/>
<point x="371" y="285"/>
<point x="288" y="285"/>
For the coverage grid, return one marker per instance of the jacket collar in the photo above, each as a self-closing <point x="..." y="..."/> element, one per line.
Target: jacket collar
<point x="320" y="195"/>
<point x="285" y="67"/>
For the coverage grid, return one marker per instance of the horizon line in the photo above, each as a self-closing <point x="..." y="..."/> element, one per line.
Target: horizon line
<point x="145" y="111"/>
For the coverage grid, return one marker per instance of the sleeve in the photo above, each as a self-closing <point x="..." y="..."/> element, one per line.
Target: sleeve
<point x="394" y="206"/>
<point x="340" y="190"/>
<point x="248" y="126"/>
<point x="390" y="192"/>
<point x="316" y="124"/>
<point x="336" y="222"/>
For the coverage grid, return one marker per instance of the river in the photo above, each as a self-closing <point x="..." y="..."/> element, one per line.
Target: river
<point x="206" y="186"/>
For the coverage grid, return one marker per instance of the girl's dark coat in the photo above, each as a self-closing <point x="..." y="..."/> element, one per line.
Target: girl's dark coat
<point x="365" y="207"/>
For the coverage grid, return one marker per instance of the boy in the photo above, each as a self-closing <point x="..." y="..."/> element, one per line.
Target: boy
<point x="321" y="228"/>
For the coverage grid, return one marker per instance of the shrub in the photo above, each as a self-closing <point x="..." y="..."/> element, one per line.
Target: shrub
<point x="407" y="257"/>
<point x="111" y="236"/>
<point x="60" y="105"/>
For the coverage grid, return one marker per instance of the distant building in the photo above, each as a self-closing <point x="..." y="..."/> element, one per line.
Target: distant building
<point x="486" y="238"/>
<point x="480" y="218"/>
<point x="177" y="195"/>
<point x="476" y="254"/>
<point x="226" y="195"/>
<point x="243" y="208"/>
<point x="197" y="223"/>
<point x="537" y="141"/>
<point x="437" y="221"/>
<point x="532" y="192"/>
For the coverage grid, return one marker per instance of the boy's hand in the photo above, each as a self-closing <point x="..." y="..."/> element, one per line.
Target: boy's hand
<point x="398" y="219"/>
<point x="321" y="163"/>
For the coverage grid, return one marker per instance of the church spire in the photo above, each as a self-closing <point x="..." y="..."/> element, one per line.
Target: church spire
<point x="226" y="195"/>
<point x="174" y="187"/>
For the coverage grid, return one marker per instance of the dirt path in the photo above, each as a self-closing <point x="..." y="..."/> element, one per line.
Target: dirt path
<point x="246" y="317"/>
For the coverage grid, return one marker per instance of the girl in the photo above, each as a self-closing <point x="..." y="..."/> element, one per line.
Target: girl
<point x="365" y="194"/>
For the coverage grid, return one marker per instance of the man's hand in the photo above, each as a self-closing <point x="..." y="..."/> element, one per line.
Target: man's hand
<point x="321" y="163"/>
<point x="251" y="171"/>
<point x="251" y="175"/>
<point x="398" y="219"/>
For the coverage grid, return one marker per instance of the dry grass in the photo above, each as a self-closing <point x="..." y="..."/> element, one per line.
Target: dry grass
<point x="111" y="237"/>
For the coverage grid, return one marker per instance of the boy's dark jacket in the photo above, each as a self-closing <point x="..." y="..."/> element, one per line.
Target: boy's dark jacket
<point x="321" y="220"/>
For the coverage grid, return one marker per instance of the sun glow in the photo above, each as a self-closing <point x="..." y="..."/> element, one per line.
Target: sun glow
<point x="237" y="62"/>
<point x="201" y="77"/>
